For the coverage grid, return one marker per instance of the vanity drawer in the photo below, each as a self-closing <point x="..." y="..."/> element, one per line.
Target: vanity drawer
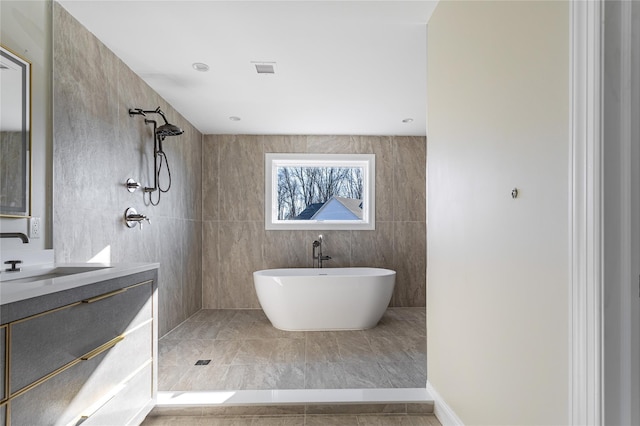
<point x="66" y="396"/>
<point x="44" y="343"/>
<point x="124" y="406"/>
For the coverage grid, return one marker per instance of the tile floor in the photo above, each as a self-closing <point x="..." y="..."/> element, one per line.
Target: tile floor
<point x="246" y="352"/>
<point x="298" y="420"/>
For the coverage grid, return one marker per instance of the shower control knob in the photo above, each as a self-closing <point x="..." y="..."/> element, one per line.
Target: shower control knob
<point x="132" y="185"/>
<point x="133" y="218"/>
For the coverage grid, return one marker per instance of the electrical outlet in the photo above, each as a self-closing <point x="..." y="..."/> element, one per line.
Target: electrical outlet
<point x="34" y="227"/>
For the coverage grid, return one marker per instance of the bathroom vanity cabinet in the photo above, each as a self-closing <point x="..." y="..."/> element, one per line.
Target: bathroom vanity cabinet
<point x="84" y="355"/>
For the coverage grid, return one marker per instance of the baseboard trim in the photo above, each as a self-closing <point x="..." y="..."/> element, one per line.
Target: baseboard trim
<point x="442" y="410"/>
<point x="182" y="399"/>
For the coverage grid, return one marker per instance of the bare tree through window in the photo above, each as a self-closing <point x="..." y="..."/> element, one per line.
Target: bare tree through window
<point x="304" y="190"/>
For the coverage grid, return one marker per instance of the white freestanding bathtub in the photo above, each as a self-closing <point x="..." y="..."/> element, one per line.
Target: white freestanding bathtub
<point x="304" y="299"/>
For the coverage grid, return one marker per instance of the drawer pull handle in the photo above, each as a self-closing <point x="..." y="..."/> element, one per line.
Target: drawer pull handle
<point x="104" y="296"/>
<point x="100" y="349"/>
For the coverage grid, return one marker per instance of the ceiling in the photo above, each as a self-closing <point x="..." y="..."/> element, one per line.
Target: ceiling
<point x="341" y="67"/>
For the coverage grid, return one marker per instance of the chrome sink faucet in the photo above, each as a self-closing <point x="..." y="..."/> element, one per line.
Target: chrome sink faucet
<point x="317" y="246"/>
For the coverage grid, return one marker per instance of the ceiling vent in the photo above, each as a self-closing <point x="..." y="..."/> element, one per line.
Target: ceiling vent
<point x="265" y="67"/>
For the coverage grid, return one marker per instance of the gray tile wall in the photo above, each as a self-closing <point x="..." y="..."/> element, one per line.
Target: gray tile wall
<point x="208" y="247"/>
<point x="97" y="146"/>
<point x="235" y="242"/>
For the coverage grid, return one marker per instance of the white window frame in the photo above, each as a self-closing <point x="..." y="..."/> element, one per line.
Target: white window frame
<point x="275" y="160"/>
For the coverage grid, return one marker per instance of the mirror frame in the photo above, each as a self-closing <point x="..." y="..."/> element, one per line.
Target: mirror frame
<point x="24" y="209"/>
<point x="275" y="160"/>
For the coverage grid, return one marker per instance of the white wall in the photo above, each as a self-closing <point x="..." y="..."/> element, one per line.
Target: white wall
<point x="26" y="29"/>
<point x="498" y="268"/>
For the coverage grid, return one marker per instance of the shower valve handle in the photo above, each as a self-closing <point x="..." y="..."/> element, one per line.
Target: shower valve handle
<point x="145" y="218"/>
<point x="141" y="220"/>
<point x="132" y="218"/>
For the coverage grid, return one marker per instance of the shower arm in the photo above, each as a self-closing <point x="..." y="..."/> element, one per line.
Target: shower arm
<point x="158" y="111"/>
<point x="140" y="111"/>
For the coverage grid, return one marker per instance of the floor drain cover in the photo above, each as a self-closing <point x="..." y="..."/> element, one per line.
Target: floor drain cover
<point x="203" y="361"/>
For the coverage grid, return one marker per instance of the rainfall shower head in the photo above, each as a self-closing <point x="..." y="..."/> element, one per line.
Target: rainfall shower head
<point x="167" y="129"/>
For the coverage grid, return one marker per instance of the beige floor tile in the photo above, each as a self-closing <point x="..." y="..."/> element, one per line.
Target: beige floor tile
<point x="399" y="348"/>
<point x="191" y="329"/>
<point x="168" y="376"/>
<point x="406" y="314"/>
<point x="247" y="352"/>
<point x="388" y="327"/>
<point x="265" y="376"/>
<point x="356" y="409"/>
<point x="315" y="420"/>
<point x="249" y="315"/>
<point x="264" y="351"/>
<point x="321" y="348"/>
<point x="278" y="421"/>
<point x="170" y="421"/>
<point x="218" y="316"/>
<point x="254" y="410"/>
<point x="388" y="420"/>
<point x="405" y="374"/>
<point x="221" y="352"/>
<point x="242" y="330"/>
<point x="324" y="375"/>
<point x="205" y="377"/>
<point x="363" y="375"/>
<point x="222" y="421"/>
<point x="355" y="347"/>
<point x="183" y="353"/>
<point x="295" y="420"/>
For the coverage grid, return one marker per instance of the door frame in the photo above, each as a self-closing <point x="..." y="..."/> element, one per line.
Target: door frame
<point x="590" y="217"/>
<point x="585" y="227"/>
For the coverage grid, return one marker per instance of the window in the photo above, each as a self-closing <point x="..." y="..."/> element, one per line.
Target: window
<point x="319" y="191"/>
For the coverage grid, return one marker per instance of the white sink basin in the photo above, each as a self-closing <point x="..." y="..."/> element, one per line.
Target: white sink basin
<point x="45" y="273"/>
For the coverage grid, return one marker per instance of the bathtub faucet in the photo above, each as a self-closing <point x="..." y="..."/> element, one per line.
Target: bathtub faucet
<point x="317" y="246"/>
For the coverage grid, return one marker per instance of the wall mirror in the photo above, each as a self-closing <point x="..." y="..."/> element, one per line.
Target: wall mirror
<point x="320" y="191"/>
<point x="15" y="134"/>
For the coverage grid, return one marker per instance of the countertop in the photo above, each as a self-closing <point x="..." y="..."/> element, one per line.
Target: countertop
<point x="12" y="292"/>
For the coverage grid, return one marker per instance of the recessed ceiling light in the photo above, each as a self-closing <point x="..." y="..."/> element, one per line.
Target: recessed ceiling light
<point x="199" y="66"/>
<point x="408" y="120"/>
<point x="234" y="118"/>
